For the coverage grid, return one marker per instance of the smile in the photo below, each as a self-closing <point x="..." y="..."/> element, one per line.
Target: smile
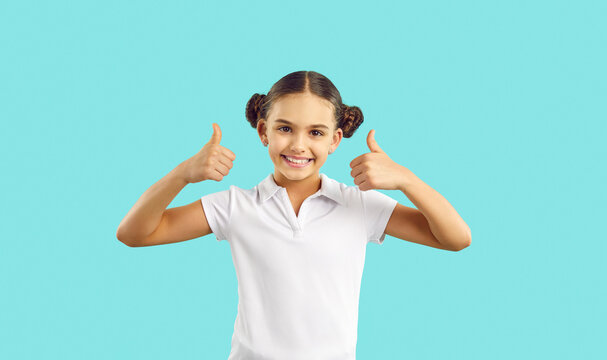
<point x="296" y="163"/>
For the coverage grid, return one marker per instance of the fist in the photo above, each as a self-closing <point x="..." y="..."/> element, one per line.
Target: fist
<point x="212" y="162"/>
<point x="375" y="169"/>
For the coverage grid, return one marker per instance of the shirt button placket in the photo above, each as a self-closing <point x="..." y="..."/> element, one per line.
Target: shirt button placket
<point x="292" y="218"/>
<point x="297" y="234"/>
<point x="297" y="228"/>
<point x="300" y="220"/>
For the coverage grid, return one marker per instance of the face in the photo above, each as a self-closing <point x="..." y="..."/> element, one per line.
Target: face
<point x="310" y="134"/>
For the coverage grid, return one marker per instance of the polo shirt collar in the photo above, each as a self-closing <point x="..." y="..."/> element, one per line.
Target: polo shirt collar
<point x="328" y="187"/>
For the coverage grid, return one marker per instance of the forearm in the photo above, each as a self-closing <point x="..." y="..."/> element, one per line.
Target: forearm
<point x="145" y="216"/>
<point x="445" y="223"/>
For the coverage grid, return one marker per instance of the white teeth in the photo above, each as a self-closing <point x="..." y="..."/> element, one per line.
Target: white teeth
<point x="296" y="161"/>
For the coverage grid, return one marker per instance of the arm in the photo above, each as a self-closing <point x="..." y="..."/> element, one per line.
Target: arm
<point x="448" y="228"/>
<point x="436" y="223"/>
<point x="145" y="216"/>
<point x="149" y="223"/>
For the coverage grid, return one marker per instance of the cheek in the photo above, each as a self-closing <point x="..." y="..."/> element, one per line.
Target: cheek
<point x="278" y="141"/>
<point x="324" y="147"/>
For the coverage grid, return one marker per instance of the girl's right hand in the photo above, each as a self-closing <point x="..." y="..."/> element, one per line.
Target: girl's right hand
<point x="212" y="162"/>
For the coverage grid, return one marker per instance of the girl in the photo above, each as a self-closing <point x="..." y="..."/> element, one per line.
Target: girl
<point x="298" y="238"/>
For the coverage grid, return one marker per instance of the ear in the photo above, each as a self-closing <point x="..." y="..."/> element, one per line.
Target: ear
<point x="261" y="128"/>
<point x="337" y="136"/>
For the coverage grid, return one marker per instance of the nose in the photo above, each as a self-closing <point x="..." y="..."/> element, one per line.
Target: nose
<point x="299" y="144"/>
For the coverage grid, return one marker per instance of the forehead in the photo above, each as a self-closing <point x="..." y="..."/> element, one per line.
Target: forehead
<point x="303" y="109"/>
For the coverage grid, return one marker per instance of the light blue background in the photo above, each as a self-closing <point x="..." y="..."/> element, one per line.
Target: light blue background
<point x="498" y="105"/>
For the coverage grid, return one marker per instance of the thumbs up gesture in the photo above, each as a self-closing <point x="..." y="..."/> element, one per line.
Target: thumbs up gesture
<point x="375" y="169"/>
<point x="212" y="162"/>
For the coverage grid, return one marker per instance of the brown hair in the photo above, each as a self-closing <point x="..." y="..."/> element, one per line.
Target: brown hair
<point x="348" y="118"/>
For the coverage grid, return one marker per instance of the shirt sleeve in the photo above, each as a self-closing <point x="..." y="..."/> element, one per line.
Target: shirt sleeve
<point x="217" y="211"/>
<point x="377" y="209"/>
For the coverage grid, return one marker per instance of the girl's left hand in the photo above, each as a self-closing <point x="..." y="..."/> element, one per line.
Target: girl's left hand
<point x="375" y="169"/>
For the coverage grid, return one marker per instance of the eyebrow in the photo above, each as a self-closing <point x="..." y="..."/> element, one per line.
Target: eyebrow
<point x="312" y="126"/>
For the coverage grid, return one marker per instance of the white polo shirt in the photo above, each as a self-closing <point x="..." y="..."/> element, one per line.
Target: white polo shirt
<point x="298" y="276"/>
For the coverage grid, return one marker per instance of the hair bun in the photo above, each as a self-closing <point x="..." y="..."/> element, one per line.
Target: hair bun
<point x="351" y="119"/>
<point x="253" y="108"/>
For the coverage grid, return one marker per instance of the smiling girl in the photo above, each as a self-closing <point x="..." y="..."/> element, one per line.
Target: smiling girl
<point x="298" y="238"/>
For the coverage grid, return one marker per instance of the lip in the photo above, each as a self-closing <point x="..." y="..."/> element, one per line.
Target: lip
<point x="297" y="157"/>
<point x="295" y="165"/>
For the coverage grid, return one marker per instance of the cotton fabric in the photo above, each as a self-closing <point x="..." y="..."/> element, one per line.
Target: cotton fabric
<point x="298" y="276"/>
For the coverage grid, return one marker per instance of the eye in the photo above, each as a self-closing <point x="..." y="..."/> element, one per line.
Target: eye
<point x="286" y="127"/>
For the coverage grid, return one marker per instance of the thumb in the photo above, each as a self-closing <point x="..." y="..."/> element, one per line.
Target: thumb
<point x="373" y="146"/>
<point x="216" y="137"/>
